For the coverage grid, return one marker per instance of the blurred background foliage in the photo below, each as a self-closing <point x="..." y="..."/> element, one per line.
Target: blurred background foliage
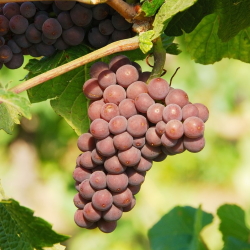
<point x="37" y="161"/>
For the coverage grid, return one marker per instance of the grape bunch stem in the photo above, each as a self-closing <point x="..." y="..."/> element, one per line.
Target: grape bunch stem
<point x="119" y="46"/>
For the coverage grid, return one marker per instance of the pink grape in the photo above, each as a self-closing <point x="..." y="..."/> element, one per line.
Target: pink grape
<point x="92" y="89"/>
<point x="158" y="88"/>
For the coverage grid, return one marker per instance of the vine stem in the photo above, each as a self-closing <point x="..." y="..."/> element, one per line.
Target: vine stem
<point x="119" y="46"/>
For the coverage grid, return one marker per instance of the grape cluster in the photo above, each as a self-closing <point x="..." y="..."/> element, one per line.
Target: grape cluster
<point x="132" y="125"/>
<point x="41" y="28"/>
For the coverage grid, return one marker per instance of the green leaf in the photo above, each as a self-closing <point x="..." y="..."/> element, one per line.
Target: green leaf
<point x="66" y="90"/>
<point x="151" y="6"/>
<point x="20" y="229"/>
<point x="145" y="41"/>
<point x="190" y="18"/>
<point x="166" y="12"/>
<point x="205" y="47"/>
<point x="180" y="229"/>
<point x="234" y="17"/>
<point x="170" y="47"/>
<point x="233" y="227"/>
<point x="12" y="106"/>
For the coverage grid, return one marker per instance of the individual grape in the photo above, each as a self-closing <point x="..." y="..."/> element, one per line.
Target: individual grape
<point x="143" y="102"/>
<point x="11" y="9"/>
<point x="136" y="88"/>
<point x="39" y="20"/>
<point x="117" y="61"/>
<point x="152" y="137"/>
<point x="86" y="160"/>
<point x="100" y="11"/>
<point x="33" y="52"/>
<point x="194" y="145"/>
<point x="122" y="199"/>
<point x="143" y="165"/>
<point x="127" y="108"/>
<point x="114" y="166"/>
<point x="120" y="35"/>
<point x="65" y="20"/>
<point x="106" y="147"/>
<point x="123" y="141"/>
<point x="86" y="190"/>
<point x="193" y="127"/>
<point x="144" y="76"/>
<point x="102" y="200"/>
<point x="109" y="111"/>
<point x="177" y="96"/>
<point x="150" y="152"/>
<point x="106" y="78"/>
<point x="65" y="5"/>
<point x="114" y="94"/>
<point x="22" y="41"/>
<point x="126" y="75"/>
<point x="80" y="174"/>
<point x="137" y="125"/>
<point x="177" y="148"/>
<point x="130" y="206"/>
<point x="15" y="62"/>
<point x="80" y="220"/>
<point x="98" y="180"/>
<point x="129" y="157"/>
<point x="158" y="88"/>
<point x="80" y="15"/>
<point x="135" y="178"/>
<point x="113" y="214"/>
<point x="107" y="226"/>
<point x="90" y="213"/>
<point x="160" y="127"/>
<point x="48" y="41"/>
<point x="117" y="182"/>
<point x="32" y="34"/>
<point x="18" y="24"/>
<point x="134" y="189"/>
<point x="97" y="68"/>
<point x="97" y="158"/>
<point x="51" y="28"/>
<point x="28" y="9"/>
<point x="167" y="141"/>
<point x="60" y="44"/>
<point x="97" y="39"/>
<point x="139" y="142"/>
<point x="155" y="112"/>
<point x="118" y="124"/>
<point x="94" y="110"/>
<point x="172" y="112"/>
<point x="99" y="128"/>
<point x="161" y="157"/>
<point x="120" y="22"/>
<point x="92" y="89"/>
<point x="203" y="111"/>
<point x="189" y="110"/>
<point x="79" y="201"/>
<point x="45" y="49"/>
<point x="4" y="25"/>
<point x="106" y="27"/>
<point x="5" y="54"/>
<point x="174" y="129"/>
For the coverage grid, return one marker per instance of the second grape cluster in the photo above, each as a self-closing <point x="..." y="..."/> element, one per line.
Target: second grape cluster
<point x="132" y="125"/>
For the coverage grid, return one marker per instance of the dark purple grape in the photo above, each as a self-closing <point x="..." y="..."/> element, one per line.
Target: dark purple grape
<point x="99" y="128"/>
<point x="32" y="34"/>
<point x="98" y="180"/>
<point x="2" y="41"/>
<point x="113" y="165"/>
<point x="126" y="75"/>
<point x="100" y="11"/>
<point x="15" y="62"/>
<point x="97" y="39"/>
<point x="60" y="44"/>
<point x="22" y="41"/>
<point x="161" y="157"/>
<point x="39" y="20"/>
<point x="65" y="5"/>
<point x="118" y="35"/>
<point x="45" y="49"/>
<point x="97" y="68"/>
<point x="127" y="108"/>
<point x="106" y="27"/>
<point x="73" y="36"/>
<point x="137" y="125"/>
<point x="80" y="15"/>
<point x="91" y="213"/>
<point x="18" y="24"/>
<point x="144" y="76"/>
<point x="193" y="127"/>
<point x="129" y="157"/>
<point x="65" y="20"/>
<point x="5" y="54"/>
<point x="28" y="9"/>
<point x="158" y="88"/>
<point x="4" y="24"/>
<point x="51" y="28"/>
<point x="11" y="9"/>
<point x="117" y="182"/>
<point x="86" y="190"/>
<point x="123" y="141"/>
<point x="120" y="23"/>
<point x="113" y="214"/>
<point x="102" y="200"/>
<point x="106" y="147"/>
<point x="118" y="124"/>
<point x="80" y="220"/>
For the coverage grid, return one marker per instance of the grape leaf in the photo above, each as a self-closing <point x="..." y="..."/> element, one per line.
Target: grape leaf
<point x="235" y="233"/>
<point x="65" y="91"/>
<point x="12" y="106"/>
<point x="166" y="12"/>
<point x="145" y="41"/>
<point x="180" y="229"/>
<point x="20" y="229"/>
<point x="205" y="47"/>
<point x="151" y="6"/>
<point x="234" y="17"/>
